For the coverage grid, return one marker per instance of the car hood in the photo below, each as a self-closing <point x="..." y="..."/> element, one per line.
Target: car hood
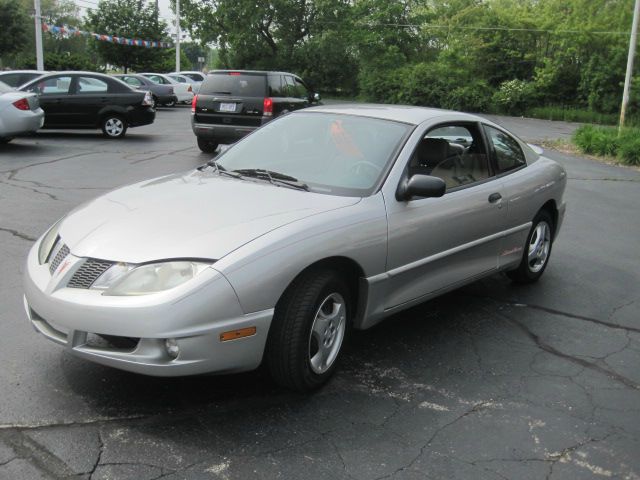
<point x="195" y="215"/>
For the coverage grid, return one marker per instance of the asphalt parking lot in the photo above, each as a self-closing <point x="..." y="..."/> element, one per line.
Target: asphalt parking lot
<point x="492" y="381"/>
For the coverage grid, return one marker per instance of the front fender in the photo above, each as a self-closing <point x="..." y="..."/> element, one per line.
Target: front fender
<point x="261" y="270"/>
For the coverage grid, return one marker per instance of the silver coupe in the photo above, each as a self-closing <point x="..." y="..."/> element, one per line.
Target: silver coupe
<point x="324" y="220"/>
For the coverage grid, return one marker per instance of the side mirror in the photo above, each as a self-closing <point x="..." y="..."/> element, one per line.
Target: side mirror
<point x="418" y="185"/>
<point x="316" y="97"/>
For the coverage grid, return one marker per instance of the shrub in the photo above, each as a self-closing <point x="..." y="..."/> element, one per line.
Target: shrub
<point x="513" y="97"/>
<point x="629" y="148"/>
<point x="606" y="141"/>
<point x="596" y="140"/>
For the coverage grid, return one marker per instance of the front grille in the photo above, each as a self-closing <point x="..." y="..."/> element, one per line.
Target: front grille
<point x="88" y="273"/>
<point x="60" y="256"/>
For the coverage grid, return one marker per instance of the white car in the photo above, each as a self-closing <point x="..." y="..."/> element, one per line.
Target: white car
<point x="196" y="77"/>
<point x="20" y="113"/>
<point x="183" y="91"/>
<point x="195" y="86"/>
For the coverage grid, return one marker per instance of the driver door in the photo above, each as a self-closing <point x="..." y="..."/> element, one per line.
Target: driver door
<point x="437" y="243"/>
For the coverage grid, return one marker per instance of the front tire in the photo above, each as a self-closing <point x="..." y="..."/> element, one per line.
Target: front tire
<point x="207" y="146"/>
<point x="310" y="324"/>
<point x="113" y="126"/>
<point x="537" y="250"/>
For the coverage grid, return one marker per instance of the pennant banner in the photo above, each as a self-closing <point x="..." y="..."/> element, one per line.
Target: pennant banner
<point x="71" y="32"/>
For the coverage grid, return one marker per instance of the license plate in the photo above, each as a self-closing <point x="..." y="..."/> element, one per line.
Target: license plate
<point x="227" y="107"/>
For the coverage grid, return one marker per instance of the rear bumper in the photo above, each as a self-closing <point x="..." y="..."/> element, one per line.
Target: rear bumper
<point x="223" y="133"/>
<point x="167" y="98"/>
<point x="23" y="123"/>
<point x="141" y="116"/>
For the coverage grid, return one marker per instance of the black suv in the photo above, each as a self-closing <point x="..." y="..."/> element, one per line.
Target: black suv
<point x="233" y="103"/>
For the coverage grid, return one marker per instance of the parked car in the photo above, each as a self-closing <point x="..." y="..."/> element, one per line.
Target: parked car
<point x="195" y="85"/>
<point x="193" y="74"/>
<point x="91" y="100"/>
<point x="161" y="94"/>
<point x="232" y="103"/>
<point x="341" y="216"/>
<point x="20" y="113"/>
<point x="183" y="91"/>
<point x="17" y="78"/>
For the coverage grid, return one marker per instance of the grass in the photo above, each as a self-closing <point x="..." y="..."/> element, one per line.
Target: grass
<point x="606" y="142"/>
<point x="576" y="115"/>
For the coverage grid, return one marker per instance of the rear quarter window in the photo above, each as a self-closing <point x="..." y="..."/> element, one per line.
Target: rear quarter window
<point x="235" y="85"/>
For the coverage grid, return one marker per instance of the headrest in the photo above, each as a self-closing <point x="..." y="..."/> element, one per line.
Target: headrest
<point x="432" y="151"/>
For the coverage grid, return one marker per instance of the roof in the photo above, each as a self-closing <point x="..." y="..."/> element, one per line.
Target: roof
<point x="398" y="113"/>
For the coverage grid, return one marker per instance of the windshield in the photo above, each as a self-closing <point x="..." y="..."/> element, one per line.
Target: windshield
<point x="333" y="154"/>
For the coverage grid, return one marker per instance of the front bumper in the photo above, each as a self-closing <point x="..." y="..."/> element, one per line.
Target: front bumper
<point x="129" y="332"/>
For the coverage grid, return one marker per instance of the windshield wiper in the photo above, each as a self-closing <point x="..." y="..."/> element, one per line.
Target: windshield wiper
<point x="273" y="177"/>
<point x="220" y="170"/>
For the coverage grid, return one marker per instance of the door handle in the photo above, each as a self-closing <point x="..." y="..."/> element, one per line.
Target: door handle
<point x="495" y="197"/>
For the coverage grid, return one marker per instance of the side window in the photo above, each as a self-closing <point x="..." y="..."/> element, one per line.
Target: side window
<point x="275" y="86"/>
<point x="290" y="89"/>
<point x="88" y="85"/>
<point x="454" y="153"/>
<point x="508" y="154"/>
<point x="156" y="79"/>
<point x="52" y="86"/>
<point x="301" y="90"/>
<point x="134" y="82"/>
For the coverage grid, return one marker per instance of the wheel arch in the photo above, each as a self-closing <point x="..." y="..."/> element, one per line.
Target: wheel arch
<point x="552" y="209"/>
<point x="347" y="267"/>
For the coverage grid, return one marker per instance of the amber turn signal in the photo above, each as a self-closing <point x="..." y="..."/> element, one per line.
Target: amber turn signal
<point x="234" y="334"/>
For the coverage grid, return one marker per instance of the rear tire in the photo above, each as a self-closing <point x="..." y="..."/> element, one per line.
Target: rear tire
<point x="207" y="146"/>
<point x="113" y="126"/>
<point x="537" y="250"/>
<point x="169" y="104"/>
<point x="310" y="324"/>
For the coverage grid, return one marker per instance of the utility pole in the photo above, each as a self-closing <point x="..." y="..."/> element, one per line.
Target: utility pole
<point x="38" y="23"/>
<point x="178" y="35"/>
<point x="632" y="53"/>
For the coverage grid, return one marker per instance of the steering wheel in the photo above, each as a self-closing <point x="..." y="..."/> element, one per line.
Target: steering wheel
<point x="365" y="167"/>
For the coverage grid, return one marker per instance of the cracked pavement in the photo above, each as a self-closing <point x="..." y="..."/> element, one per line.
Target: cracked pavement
<point x="492" y="381"/>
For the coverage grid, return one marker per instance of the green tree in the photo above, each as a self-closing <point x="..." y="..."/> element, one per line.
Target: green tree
<point x="14" y="21"/>
<point x="129" y="19"/>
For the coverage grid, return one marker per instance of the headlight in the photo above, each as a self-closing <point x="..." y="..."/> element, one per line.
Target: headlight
<point x="48" y="241"/>
<point x="153" y="278"/>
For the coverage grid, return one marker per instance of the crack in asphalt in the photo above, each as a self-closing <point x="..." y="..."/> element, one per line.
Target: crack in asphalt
<point x="590" y="365"/>
<point x="99" y="421"/>
<point x="565" y="454"/>
<point x="34" y="190"/>
<point x="476" y="408"/>
<point x="562" y="313"/>
<point x="99" y="457"/>
<point x="12" y="172"/>
<point x="16" y="233"/>
<point x="37" y="454"/>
